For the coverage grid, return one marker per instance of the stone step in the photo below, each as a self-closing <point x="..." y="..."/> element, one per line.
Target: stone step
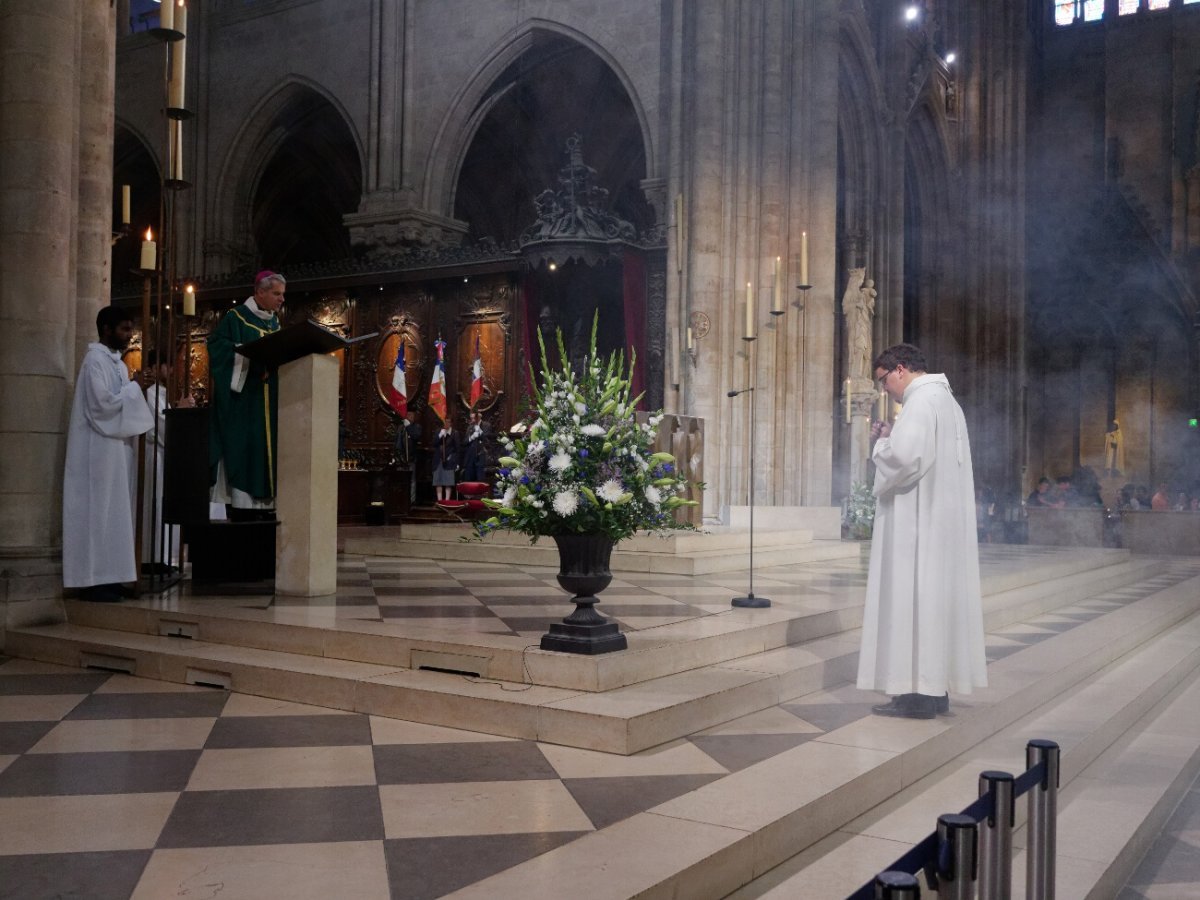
<point x="624" y="719"/>
<point x="679" y="553"/>
<point x="743" y="635"/>
<point x="1130" y="739"/>
<point x="721" y="837"/>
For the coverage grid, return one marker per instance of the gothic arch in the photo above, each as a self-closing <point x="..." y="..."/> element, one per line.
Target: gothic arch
<point x="471" y="104"/>
<point x="257" y="141"/>
<point x="932" y="318"/>
<point x="861" y="131"/>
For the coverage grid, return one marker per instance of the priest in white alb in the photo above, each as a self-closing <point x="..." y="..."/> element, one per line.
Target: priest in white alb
<point x="922" y="635"/>
<point x="100" y="481"/>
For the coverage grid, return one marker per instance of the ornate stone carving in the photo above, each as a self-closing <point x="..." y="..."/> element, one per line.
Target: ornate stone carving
<point x="573" y="222"/>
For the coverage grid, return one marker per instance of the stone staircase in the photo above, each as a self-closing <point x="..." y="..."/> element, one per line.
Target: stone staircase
<point x="673" y="681"/>
<point x="716" y="549"/>
<point x="1119" y="693"/>
<point x="1111" y="676"/>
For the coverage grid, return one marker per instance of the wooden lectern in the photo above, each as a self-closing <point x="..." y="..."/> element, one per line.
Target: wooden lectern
<point x="307" y="456"/>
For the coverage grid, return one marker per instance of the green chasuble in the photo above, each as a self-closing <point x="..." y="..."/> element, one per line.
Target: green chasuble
<point x="243" y="423"/>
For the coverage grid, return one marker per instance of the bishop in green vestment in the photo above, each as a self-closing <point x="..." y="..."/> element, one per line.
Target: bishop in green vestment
<point x="245" y="402"/>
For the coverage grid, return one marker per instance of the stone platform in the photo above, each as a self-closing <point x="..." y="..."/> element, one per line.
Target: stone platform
<point x="715" y="549"/>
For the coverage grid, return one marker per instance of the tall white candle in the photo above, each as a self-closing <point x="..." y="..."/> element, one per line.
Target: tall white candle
<point x="177" y="150"/>
<point x="804" y="257"/>
<point x="189" y="300"/>
<point x="166" y="14"/>
<point x="149" y="251"/>
<point x="777" y="298"/>
<point x="181" y="17"/>
<point x="750" y="310"/>
<point x="881" y="407"/>
<point x="846" y="390"/>
<point x="690" y="345"/>
<point x="125" y="200"/>
<point x="175" y="94"/>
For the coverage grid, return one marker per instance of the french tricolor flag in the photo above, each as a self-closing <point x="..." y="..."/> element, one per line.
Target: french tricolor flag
<point x="398" y="392"/>
<point x="437" y="385"/>
<point x="476" y="375"/>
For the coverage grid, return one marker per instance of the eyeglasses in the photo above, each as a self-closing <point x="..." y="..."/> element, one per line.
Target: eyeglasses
<point x="881" y="381"/>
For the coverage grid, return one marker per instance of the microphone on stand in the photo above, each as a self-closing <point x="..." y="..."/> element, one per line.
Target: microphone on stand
<point x="749" y="601"/>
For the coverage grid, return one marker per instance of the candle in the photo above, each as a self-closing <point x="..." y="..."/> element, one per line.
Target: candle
<point x="178" y="66"/>
<point x="777" y="299"/>
<point x="846" y="390"/>
<point x="180" y="17"/>
<point x="804" y="257"/>
<point x="166" y="14"/>
<point x="690" y="345"/>
<point x="749" y="311"/>
<point x="124" y="204"/>
<point x="149" y="251"/>
<point x="881" y="407"/>
<point x="189" y="300"/>
<point x="177" y="150"/>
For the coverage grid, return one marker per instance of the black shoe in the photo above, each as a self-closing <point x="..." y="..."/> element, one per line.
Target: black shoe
<point x="893" y="707"/>
<point x="101" y="593"/>
<point x="909" y="706"/>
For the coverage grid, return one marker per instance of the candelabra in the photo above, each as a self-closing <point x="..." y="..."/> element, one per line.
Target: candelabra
<point x="159" y="290"/>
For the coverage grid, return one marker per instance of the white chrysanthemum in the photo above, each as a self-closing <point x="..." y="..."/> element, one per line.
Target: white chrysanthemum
<point x="565" y="503"/>
<point x="509" y="496"/>
<point x="559" y="462"/>
<point x="516" y="473"/>
<point x="591" y="429"/>
<point x="580" y="407"/>
<point x="653" y="495"/>
<point x="611" y="491"/>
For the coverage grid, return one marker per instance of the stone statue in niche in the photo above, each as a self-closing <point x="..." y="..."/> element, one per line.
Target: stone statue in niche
<point x="858" y="306"/>
<point x="1114" y="451"/>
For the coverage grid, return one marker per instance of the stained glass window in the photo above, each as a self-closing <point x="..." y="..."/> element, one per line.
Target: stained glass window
<point x="1159" y="4"/>
<point x="1093" y="10"/>
<point x="1064" y="12"/>
<point x="1125" y="7"/>
<point x="1190" y="1"/>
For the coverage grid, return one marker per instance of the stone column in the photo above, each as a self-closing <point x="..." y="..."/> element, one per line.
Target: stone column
<point x="41" y="73"/>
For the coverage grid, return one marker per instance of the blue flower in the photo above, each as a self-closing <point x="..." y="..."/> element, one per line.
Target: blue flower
<point x="583" y="453"/>
<point x="524" y="479"/>
<point x="505" y="472"/>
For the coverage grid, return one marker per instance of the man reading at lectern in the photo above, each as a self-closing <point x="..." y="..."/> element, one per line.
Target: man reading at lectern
<point x="922" y="630"/>
<point x="245" y="406"/>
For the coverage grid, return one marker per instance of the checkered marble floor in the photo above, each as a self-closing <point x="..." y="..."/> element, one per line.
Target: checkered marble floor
<point x="117" y="787"/>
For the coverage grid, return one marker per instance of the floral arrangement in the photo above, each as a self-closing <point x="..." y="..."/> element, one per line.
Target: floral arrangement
<point x="584" y="465"/>
<point x="860" y="510"/>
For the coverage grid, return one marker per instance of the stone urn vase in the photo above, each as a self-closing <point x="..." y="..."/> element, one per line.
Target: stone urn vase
<point x="583" y="572"/>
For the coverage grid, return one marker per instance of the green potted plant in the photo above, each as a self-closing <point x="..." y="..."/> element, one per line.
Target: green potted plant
<point x="860" y="511"/>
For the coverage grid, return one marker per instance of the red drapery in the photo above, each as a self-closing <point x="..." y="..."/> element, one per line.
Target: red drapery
<point x="633" y="279"/>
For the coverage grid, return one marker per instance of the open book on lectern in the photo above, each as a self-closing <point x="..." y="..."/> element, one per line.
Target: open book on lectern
<point x="294" y="341"/>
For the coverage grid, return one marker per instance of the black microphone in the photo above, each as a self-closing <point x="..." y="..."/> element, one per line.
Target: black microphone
<point x="732" y="393"/>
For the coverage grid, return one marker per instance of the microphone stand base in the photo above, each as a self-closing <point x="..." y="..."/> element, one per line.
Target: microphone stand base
<point x="750" y="602"/>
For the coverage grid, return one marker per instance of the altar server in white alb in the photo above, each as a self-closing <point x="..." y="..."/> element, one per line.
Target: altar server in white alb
<point x="100" y="483"/>
<point x="922" y="631"/>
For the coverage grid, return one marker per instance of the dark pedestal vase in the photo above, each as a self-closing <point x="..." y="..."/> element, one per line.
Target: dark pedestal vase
<point x="583" y="571"/>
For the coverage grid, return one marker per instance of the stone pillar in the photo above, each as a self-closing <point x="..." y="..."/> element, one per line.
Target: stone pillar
<point x="389" y="217"/>
<point x="42" y="69"/>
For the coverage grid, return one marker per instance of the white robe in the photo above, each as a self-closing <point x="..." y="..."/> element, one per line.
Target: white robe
<point x="923" y="622"/>
<point x="156" y="539"/>
<point x="100" y="484"/>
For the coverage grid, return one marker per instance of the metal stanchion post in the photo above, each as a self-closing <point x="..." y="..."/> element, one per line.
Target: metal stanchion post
<point x="897" y="886"/>
<point x="995" y="844"/>
<point x="958" y="841"/>
<point x="1043" y="822"/>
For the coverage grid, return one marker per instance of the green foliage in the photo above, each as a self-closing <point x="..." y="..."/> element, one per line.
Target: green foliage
<point x="585" y="466"/>
<point x="860" y="510"/>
